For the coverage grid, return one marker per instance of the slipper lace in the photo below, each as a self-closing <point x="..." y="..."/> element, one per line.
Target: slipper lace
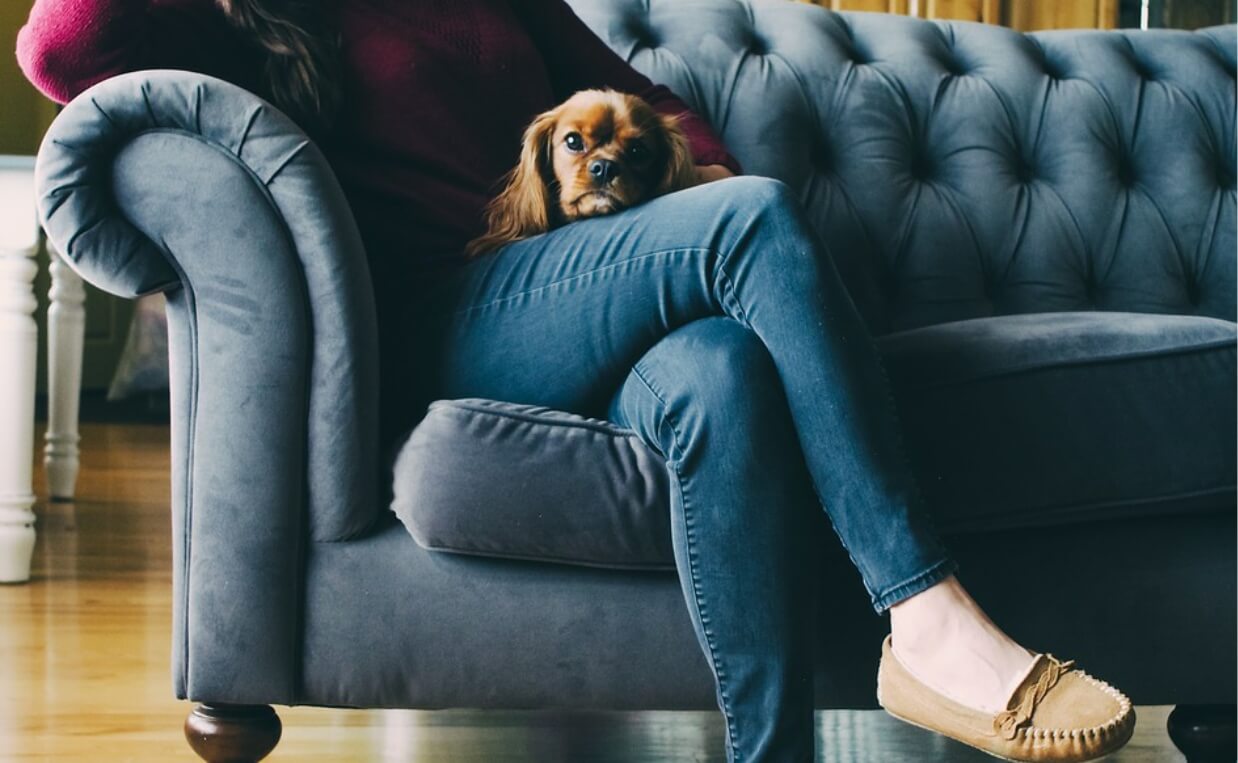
<point x="1008" y="722"/>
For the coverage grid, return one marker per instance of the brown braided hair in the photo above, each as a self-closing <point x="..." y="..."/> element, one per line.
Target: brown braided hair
<point x="301" y="70"/>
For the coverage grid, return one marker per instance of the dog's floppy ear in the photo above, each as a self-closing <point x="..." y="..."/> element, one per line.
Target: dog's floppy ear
<point x="525" y="205"/>
<point x="680" y="167"/>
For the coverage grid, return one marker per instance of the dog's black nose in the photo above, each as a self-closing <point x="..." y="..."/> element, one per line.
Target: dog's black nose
<point x="603" y="171"/>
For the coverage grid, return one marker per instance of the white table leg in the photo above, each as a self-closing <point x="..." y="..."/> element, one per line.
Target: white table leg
<point x="66" y="327"/>
<point x="18" y="344"/>
<point x="19" y="338"/>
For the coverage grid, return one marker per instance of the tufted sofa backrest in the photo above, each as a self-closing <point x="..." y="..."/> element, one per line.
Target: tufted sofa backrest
<point x="958" y="170"/>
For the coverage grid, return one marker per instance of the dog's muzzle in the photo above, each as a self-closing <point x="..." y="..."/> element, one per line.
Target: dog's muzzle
<point x="603" y="171"/>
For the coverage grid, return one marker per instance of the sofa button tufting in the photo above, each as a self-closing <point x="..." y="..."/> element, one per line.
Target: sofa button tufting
<point x="820" y="158"/>
<point x="921" y="167"/>
<point x="642" y="34"/>
<point x="1024" y="172"/>
<point x="1193" y="297"/>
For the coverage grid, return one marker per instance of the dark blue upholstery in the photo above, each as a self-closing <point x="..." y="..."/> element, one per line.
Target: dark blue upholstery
<point x="960" y="170"/>
<point x="160" y="180"/>
<point x="985" y="193"/>
<point x="462" y="466"/>
<point x="1064" y="418"/>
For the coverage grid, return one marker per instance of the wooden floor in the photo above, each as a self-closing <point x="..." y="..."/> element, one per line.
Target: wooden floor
<point x="85" y="653"/>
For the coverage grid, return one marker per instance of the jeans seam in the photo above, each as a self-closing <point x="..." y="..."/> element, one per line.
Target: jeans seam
<point x="872" y="595"/>
<point x="579" y="276"/>
<point x="688" y="533"/>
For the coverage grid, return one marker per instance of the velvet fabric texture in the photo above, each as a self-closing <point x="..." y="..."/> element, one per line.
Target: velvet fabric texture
<point x="962" y="170"/>
<point x="965" y="178"/>
<point x="163" y="181"/>
<point x="607" y="506"/>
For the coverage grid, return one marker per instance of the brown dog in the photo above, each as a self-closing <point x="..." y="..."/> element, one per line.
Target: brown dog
<point x="598" y="152"/>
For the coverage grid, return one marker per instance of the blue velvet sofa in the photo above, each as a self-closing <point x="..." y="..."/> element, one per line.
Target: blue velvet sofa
<point x="1040" y="229"/>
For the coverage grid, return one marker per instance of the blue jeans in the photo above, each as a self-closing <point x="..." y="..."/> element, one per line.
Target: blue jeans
<point x="713" y="324"/>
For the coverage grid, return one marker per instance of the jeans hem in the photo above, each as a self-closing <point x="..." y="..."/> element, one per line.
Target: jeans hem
<point x="930" y="577"/>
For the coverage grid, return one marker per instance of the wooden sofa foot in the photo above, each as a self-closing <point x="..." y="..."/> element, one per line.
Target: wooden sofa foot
<point x="1205" y="733"/>
<point x="232" y="733"/>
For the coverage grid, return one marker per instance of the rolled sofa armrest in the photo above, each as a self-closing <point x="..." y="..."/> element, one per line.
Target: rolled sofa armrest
<point x="177" y="182"/>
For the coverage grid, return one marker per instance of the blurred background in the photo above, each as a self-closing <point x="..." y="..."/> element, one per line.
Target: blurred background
<point x="1030" y="15"/>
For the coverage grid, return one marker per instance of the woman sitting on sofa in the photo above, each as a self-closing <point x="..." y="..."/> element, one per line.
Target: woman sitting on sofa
<point x="420" y="108"/>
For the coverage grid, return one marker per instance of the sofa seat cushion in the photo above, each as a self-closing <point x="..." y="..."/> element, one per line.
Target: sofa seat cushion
<point x="1053" y="418"/>
<point x="526" y="482"/>
<point x="1010" y="421"/>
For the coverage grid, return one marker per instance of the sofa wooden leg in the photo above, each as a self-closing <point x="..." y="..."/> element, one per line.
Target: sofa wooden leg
<point x="232" y="733"/>
<point x="1205" y="733"/>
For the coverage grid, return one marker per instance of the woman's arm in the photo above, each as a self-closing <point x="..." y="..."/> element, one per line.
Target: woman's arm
<point x="578" y="60"/>
<point x="69" y="45"/>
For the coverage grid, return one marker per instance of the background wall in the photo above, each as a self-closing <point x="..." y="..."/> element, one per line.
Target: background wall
<point x="24" y="114"/>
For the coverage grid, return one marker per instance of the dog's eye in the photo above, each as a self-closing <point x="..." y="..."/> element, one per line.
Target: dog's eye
<point x="637" y="151"/>
<point x="574" y="142"/>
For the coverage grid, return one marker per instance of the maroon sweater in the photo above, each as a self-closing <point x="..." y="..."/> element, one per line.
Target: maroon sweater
<point x="437" y="94"/>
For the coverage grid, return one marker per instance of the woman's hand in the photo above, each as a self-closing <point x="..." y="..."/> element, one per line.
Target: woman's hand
<point x="709" y="172"/>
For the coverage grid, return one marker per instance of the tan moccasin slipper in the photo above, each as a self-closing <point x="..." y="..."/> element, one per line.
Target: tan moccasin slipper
<point x="1057" y="713"/>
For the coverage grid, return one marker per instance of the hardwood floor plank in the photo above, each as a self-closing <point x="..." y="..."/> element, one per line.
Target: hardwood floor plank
<point x="85" y="654"/>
